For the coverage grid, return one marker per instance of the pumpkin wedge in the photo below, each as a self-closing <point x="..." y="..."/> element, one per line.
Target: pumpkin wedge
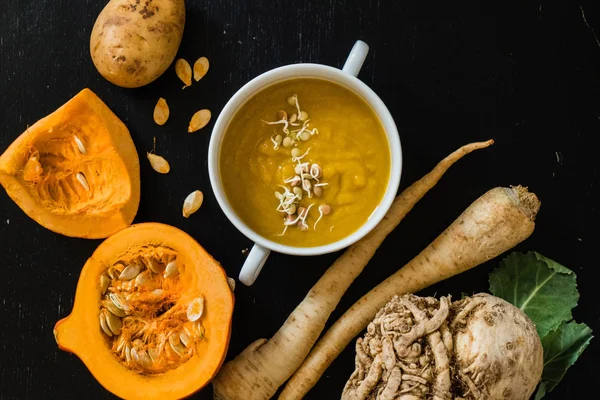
<point x="76" y="171"/>
<point x="152" y="314"/>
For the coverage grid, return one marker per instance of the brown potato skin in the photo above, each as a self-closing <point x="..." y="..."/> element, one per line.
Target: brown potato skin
<point x="134" y="41"/>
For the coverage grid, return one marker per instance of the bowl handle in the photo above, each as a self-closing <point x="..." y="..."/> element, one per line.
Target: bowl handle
<point x="254" y="263"/>
<point x="356" y="58"/>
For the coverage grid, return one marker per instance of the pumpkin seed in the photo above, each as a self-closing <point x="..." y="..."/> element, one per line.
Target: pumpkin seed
<point x="185" y="339"/>
<point x="81" y="178"/>
<point x="154" y="266"/>
<point x="192" y="203"/>
<point x="161" y="112"/>
<point x="113" y="309"/>
<point x="231" y="283"/>
<point x="120" y="302"/>
<point x="184" y="72"/>
<point x="145" y="359"/>
<point x="134" y="355"/>
<point x="130" y="272"/>
<point x="142" y="278"/>
<point x="104" y="282"/>
<point x="80" y="145"/>
<point x="153" y="354"/>
<point x="121" y="345"/>
<point x="103" y="324"/>
<point x="200" y="68"/>
<point x="114" y="323"/>
<point x="171" y="270"/>
<point x="158" y="163"/>
<point x="195" y="309"/>
<point x="128" y="353"/>
<point x="176" y="345"/>
<point x="199" y="120"/>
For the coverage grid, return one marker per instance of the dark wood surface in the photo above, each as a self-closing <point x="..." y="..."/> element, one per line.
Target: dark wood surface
<point x="525" y="74"/>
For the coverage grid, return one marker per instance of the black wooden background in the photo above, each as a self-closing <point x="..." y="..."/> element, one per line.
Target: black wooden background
<point x="451" y="72"/>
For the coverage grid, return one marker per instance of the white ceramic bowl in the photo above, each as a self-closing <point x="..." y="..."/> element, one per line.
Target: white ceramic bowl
<point x="345" y="77"/>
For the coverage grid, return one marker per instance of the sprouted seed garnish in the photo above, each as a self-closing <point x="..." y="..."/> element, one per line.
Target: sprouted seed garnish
<point x="307" y="180"/>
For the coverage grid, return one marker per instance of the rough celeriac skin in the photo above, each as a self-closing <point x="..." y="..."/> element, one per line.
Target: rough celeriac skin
<point x="480" y="347"/>
<point x="134" y="41"/>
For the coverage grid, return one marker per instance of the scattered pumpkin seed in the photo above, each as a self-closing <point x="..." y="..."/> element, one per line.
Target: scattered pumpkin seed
<point x="80" y="145"/>
<point x="184" y="72"/>
<point x="171" y="270"/>
<point x="199" y="120"/>
<point x="287" y="141"/>
<point x="83" y="181"/>
<point x="192" y="203"/>
<point x="161" y="112"/>
<point x="195" y="309"/>
<point x="200" y="68"/>
<point x="158" y="163"/>
<point x="128" y="353"/>
<point x="130" y="272"/>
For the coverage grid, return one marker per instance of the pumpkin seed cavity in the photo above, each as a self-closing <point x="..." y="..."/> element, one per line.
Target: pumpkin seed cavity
<point x="149" y="327"/>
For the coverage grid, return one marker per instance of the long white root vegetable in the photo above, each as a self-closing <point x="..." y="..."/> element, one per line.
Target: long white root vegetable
<point x="493" y="224"/>
<point x="257" y="372"/>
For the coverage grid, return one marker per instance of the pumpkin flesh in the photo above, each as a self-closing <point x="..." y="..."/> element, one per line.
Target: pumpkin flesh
<point x="76" y="171"/>
<point x="169" y="376"/>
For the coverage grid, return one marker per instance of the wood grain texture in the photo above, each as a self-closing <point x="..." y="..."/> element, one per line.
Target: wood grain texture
<point x="525" y="74"/>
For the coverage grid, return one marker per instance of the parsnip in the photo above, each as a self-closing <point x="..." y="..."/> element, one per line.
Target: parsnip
<point x="493" y="224"/>
<point x="262" y="367"/>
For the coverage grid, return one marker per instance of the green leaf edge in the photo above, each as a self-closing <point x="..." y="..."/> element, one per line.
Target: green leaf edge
<point x="547" y="386"/>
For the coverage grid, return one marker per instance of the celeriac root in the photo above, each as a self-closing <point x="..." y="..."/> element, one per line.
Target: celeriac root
<point x="480" y="347"/>
<point x="262" y="367"/>
<point x="494" y="223"/>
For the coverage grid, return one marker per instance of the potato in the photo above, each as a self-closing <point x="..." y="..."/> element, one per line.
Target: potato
<point x="134" y="41"/>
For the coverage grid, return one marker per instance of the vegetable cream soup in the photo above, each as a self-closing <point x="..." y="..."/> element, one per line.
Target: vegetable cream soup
<point x="305" y="162"/>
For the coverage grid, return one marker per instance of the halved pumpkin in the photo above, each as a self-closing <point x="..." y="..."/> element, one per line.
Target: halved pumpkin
<point x="173" y="305"/>
<point x="76" y="171"/>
